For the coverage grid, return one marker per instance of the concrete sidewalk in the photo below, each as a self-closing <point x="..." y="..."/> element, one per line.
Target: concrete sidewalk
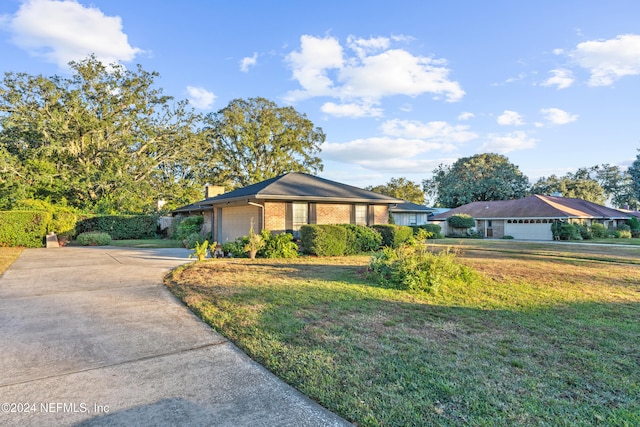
<point x="90" y="336"/>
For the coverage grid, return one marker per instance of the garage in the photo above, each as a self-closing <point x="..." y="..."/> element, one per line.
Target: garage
<point x="528" y="229"/>
<point x="235" y="221"/>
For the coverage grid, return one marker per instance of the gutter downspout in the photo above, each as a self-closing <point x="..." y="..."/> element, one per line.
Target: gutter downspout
<point x="262" y="210"/>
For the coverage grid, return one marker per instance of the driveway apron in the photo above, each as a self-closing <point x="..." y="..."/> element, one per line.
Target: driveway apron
<point x="90" y="336"/>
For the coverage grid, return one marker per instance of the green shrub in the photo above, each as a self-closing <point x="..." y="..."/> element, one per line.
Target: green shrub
<point x="121" y="227"/>
<point x="622" y="234"/>
<point x="414" y="268"/>
<point x="324" y="240"/>
<point x="565" y="231"/>
<point x="194" y="239"/>
<point x="186" y="226"/>
<point x="434" y="229"/>
<point x="461" y="221"/>
<point x="63" y="221"/>
<point x="93" y="238"/>
<point x="634" y="223"/>
<point x="635" y="234"/>
<point x="624" y="227"/>
<point x="361" y="239"/>
<point x="599" y="231"/>
<point x="278" y="245"/>
<point x="585" y="233"/>
<point x="394" y="235"/>
<point x="507" y="237"/>
<point x="24" y="228"/>
<point x="235" y="249"/>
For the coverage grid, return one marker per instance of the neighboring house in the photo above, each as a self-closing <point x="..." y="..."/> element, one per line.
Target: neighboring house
<point x="408" y="213"/>
<point x="285" y="203"/>
<point x="530" y="218"/>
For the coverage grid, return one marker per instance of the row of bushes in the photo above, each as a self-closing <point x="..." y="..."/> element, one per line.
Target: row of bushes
<point x="30" y="222"/>
<point x="568" y="231"/>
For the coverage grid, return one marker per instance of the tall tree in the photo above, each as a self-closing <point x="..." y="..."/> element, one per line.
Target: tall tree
<point x="483" y="177"/>
<point x="104" y="138"/>
<point x="577" y="185"/>
<point x="254" y="139"/>
<point x="401" y="188"/>
<point x="616" y="183"/>
<point x="634" y="173"/>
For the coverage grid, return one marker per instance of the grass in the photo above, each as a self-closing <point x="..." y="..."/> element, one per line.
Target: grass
<point x="549" y="336"/>
<point x="147" y="243"/>
<point x="7" y="256"/>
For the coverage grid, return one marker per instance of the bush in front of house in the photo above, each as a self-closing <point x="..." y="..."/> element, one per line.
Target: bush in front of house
<point x="120" y="227"/>
<point x="280" y="245"/>
<point x="599" y="231"/>
<point x="434" y="229"/>
<point x="186" y="226"/>
<point x="361" y="239"/>
<point x="565" y="231"/>
<point x="93" y="238"/>
<point x="235" y="249"/>
<point x="194" y="239"/>
<point x="24" y="228"/>
<point x="585" y="233"/>
<point x="461" y="221"/>
<point x="413" y="268"/>
<point x="393" y="235"/>
<point x="622" y="234"/>
<point x="324" y="240"/>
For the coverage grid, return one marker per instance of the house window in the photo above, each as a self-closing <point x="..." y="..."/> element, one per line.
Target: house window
<point x="489" y="224"/>
<point x="300" y="214"/>
<point x="360" y="216"/>
<point x="413" y="219"/>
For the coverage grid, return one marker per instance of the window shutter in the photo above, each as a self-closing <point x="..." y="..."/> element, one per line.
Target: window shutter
<point x="352" y="219"/>
<point x="371" y="217"/>
<point x="288" y="217"/>
<point x="313" y="219"/>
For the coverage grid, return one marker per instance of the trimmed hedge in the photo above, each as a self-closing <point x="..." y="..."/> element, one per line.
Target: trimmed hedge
<point x="324" y="240"/>
<point x="24" y="228"/>
<point x="63" y="222"/>
<point x="434" y="229"/>
<point x="461" y="221"/>
<point x="94" y="238"/>
<point x="120" y="227"/>
<point x="393" y="235"/>
<point x="361" y="238"/>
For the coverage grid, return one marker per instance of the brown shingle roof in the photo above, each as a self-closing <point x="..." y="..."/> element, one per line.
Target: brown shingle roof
<point x="535" y="206"/>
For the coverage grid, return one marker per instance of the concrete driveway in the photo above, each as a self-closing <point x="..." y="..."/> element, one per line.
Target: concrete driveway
<point x="90" y="336"/>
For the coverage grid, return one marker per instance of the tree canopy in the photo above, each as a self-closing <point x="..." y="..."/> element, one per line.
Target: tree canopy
<point x="401" y="188"/>
<point x="254" y="139"/>
<point x="104" y="139"/>
<point x="483" y="177"/>
<point x="577" y="185"/>
<point x="634" y="185"/>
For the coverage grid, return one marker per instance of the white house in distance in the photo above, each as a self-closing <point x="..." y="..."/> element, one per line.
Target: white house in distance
<point x="530" y="218"/>
<point x="409" y="213"/>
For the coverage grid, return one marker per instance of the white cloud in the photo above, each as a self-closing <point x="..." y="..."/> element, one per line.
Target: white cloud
<point x="248" y="62"/>
<point x="200" y="97"/>
<point x="510" y="118"/>
<point x="366" y="71"/>
<point x="505" y="143"/>
<point x="351" y="110"/>
<point x="64" y="31"/>
<point x="557" y="116"/>
<point x="466" y="116"/>
<point x="562" y="78"/>
<point x="609" y="60"/>
<point x="434" y="131"/>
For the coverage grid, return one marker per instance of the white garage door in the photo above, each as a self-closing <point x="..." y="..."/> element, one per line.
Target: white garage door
<point x="236" y="222"/>
<point x="529" y="231"/>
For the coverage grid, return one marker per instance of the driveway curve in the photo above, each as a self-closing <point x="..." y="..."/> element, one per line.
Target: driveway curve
<point x="90" y="336"/>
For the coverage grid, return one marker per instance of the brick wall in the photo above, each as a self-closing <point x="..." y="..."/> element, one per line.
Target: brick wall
<point x="381" y="214"/>
<point x="274" y="216"/>
<point x="331" y="213"/>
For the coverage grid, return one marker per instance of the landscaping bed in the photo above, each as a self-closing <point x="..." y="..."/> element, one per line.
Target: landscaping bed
<point x="548" y="336"/>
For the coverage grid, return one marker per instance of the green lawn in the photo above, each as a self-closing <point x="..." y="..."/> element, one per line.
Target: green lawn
<point x="549" y="336"/>
<point x="147" y="243"/>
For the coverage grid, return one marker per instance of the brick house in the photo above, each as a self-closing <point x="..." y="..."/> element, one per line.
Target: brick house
<point x="285" y="203"/>
<point x="530" y="218"/>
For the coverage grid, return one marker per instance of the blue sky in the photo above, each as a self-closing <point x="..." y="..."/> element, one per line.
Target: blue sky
<point x="398" y="87"/>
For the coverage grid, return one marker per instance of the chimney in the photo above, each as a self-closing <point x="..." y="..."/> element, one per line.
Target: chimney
<point x="213" y="191"/>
